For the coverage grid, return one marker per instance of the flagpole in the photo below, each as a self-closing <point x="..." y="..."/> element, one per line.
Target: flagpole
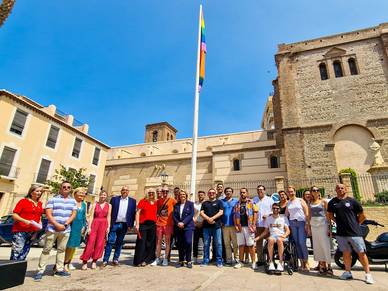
<point x="196" y="109"/>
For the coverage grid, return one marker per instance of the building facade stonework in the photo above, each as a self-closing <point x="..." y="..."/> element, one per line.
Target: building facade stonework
<point x="330" y="100"/>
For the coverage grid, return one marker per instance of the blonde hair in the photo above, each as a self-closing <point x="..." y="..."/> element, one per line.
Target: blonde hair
<point x="33" y="189"/>
<point x="147" y="196"/>
<point x="183" y="191"/>
<point x="79" y="189"/>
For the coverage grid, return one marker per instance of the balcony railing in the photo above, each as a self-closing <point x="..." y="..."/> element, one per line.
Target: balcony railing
<point x="8" y="171"/>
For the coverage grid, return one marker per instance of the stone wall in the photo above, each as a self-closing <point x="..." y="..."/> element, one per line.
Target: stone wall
<point x="308" y="111"/>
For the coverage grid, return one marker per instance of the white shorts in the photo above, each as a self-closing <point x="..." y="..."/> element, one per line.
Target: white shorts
<point x="245" y="237"/>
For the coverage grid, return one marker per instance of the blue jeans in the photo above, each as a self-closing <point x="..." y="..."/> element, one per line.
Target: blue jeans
<point x="115" y="237"/>
<point x="21" y="244"/>
<point x="208" y="234"/>
<point x="298" y="233"/>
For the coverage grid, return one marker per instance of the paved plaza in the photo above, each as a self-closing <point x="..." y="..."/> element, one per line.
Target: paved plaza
<point x="127" y="277"/>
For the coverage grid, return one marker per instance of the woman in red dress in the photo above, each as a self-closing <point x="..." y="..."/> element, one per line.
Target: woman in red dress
<point x="26" y="215"/>
<point x="99" y="225"/>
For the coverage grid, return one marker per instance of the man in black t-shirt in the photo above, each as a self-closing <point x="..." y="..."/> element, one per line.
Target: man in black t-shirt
<point x="211" y="211"/>
<point x="348" y="214"/>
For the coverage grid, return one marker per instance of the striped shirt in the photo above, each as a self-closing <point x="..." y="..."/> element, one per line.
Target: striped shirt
<point x="62" y="208"/>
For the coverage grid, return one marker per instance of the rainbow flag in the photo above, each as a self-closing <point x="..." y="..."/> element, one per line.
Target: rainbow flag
<point x="202" y="57"/>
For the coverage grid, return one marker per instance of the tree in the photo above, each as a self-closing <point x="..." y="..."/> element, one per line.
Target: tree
<point x="75" y="177"/>
<point x="5" y="10"/>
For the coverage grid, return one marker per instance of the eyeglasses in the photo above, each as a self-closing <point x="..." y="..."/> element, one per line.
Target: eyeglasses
<point x="151" y="193"/>
<point x="212" y="192"/>
<point x="165" y="191"/>
<point x="275" y="208"/>
<point x="260" y="189"/>
<point x="315" y="190"/>
<point x="66" y="187"/>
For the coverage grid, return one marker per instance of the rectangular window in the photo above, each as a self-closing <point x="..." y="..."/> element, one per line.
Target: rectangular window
<point x="52" y="137"/>
<point x="96" y="156"/>
<point x="92" y="181"/>
<point x="77" y="148"/>
<point x="18" y="122"/>
<point x="43" y="171"/>
<point x="6" y="161"/>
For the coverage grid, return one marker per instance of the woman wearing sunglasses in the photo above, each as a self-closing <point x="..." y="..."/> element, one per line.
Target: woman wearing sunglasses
<point x="320" y="232"/>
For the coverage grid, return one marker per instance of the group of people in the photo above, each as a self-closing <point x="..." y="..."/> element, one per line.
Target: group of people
<point x="232" y="228"/>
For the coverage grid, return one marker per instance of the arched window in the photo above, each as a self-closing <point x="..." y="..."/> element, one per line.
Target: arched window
<point x="274" y="162"/>
<point x="168" y="136"/>
<point x="155" y="136"/>
<point x="323" y="71"/>
<point x="236" y="165"/>
<point x="338" y="69"/>
<point x="352" y="66"/>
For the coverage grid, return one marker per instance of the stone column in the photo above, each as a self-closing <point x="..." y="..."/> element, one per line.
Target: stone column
<point x="346" y="179"/>
<point x="279" y="183"/>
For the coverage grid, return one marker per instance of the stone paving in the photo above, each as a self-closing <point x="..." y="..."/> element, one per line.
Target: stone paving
<point x="127" y="277"/>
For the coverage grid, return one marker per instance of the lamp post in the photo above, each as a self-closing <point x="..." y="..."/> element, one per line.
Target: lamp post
<point x="164" y="176"/>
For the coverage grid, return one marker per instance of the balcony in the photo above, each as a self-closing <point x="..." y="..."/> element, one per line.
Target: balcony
<point x="8" y="172"/>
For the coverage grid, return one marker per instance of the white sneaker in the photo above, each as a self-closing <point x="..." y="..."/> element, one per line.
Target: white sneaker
<point x="346" y="276"/>
<point x="271" y="267"/>
<point x="237" y="265"/>
<point x="280" y="267"/>
<point x="156" y="262"/>
<point x="369" y="278"/>
<point x="165" y="262"/>
<point x="71" y="267"/>
<point x="254" y="266"/>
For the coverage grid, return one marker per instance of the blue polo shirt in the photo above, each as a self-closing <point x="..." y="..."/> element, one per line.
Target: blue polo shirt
<point x="227" y="218"/>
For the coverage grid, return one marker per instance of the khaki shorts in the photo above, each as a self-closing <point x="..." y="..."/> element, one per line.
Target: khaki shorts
<point x="245" y="237"/>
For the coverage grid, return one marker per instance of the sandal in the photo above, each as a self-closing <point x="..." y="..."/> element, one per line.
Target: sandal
<point x="84" y="267"/>
<point x="329" y="271"/>
<point x="94" y="266"/>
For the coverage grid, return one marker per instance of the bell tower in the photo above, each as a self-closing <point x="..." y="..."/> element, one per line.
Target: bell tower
<point x="157" y="132"/>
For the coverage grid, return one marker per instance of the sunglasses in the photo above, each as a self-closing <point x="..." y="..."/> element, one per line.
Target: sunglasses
<point x="315" y="190"/>
<point x="66" y="187"/>
<point x="275" y="208"/>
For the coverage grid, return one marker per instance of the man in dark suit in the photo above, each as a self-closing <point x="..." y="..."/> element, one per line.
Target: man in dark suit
<point x="122" y="219"/>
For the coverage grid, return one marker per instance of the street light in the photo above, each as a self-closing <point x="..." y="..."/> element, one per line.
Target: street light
<point x="164" y="176"/>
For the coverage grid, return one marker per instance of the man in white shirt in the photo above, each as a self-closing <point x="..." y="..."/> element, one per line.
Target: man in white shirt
<point x="276" y="226"/>
<point x="264" y="205"/>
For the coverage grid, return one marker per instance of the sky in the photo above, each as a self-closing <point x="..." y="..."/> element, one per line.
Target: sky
<point x="121" y="64"/>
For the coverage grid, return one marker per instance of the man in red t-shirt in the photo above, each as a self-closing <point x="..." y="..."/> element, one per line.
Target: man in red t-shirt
<point x="164" y="225"/>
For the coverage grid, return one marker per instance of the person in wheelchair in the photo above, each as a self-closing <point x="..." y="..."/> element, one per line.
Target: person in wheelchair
<point x="276" y="226"/>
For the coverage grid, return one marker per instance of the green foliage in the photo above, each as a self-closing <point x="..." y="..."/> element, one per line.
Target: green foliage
<point x="382" y="197"/>
<point x="75" y="177"/>
<point x="354" y="182"/>
<point x="300" y="191"/>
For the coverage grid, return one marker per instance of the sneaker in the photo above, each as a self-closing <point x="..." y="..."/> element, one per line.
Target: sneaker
<point x="254" y="266"/>
<point x="237" y="265"/>
<point x="271" y="267"/>
<point x="165" y="262"/>
<point x="346" y="276"/>
<point x="115" y="263"/>
<point x="220" y="265"/>
<point x="280" y="267"/>
<point x="71" y="267"/>
<point x="190" y="265"/>
<point x="369" y="278"/>
<point x="63" y="274"/>
<point x="180" y="264"/>
<point x="38" y="276"/>
<point x="228" y="262"/>
<point x="104" y="264"/>
<point x="156" y="262"/>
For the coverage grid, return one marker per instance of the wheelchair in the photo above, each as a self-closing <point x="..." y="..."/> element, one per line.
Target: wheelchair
<point x="290" y="258"/>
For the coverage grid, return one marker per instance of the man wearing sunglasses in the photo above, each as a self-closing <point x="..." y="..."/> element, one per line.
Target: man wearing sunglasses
<point x="164" y="226"/>
<point x="60" y="211"/>
<point x="276" y="226"/>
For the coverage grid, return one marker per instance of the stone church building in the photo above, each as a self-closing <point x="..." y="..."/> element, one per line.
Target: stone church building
<point x="330" y="101"/>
